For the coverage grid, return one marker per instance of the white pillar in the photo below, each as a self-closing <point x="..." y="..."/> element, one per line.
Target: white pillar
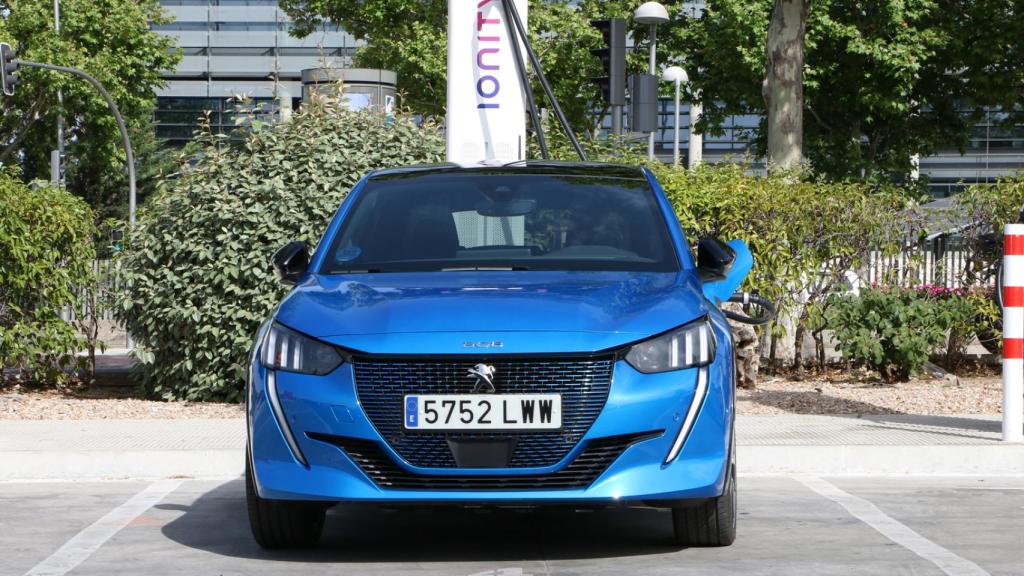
<point x="486" y="118"/>
<point x="696" y="145"/>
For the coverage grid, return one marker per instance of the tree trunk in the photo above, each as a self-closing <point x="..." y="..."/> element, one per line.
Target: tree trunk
<point x="819" y="347"/>
<point x="783" y="89"/>
<point x="798" y="344"/>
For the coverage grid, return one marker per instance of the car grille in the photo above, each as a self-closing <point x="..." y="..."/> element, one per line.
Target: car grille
<point x="582" y="382"/>
<point x="594" y="459"/>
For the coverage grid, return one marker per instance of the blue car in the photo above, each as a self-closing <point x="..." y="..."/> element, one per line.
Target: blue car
<point x="522" y="335"/>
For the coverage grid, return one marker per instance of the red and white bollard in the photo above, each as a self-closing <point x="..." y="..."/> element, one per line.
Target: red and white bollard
<point x="1013" y="333"/>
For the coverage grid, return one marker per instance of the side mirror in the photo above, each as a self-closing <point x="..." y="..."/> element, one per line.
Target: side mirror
<point x="291" y="262"/>
<point x="722" y="267"/>
<point x="714" y="258"/>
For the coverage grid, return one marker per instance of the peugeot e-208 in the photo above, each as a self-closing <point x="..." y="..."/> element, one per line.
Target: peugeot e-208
<point x="535" y="334"/>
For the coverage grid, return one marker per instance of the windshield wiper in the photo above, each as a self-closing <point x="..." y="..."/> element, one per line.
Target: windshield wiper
<point x="357" y="271"/>
<point x="485" y="269"/>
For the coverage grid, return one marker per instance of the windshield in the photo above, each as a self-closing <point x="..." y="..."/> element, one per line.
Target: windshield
<point x="502" y="221"/>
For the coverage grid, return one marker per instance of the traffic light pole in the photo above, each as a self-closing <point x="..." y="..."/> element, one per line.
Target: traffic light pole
<point x="617" y="120"/>
<point x="117" y="116"/>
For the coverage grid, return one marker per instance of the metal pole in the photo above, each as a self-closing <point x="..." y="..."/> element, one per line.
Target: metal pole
<point x="675" y="134"/>
<point x="130" y="157"/>
<point x="696" y="146"/>
<point x="60" y="117"/>
<point x="617" y="120"/>
<point x="652" y="70"/>
<point x="535" y="62"/>
<point x="55" y="167"/>
<point x="524" y="77"/>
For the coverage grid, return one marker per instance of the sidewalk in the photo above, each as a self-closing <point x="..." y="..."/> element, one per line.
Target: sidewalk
<point x="785" y="444"/>
<point x="882" y="445"/>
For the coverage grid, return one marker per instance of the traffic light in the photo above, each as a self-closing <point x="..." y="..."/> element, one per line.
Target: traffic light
<point x="8" y="69"/>
<point x="613" y="60"/>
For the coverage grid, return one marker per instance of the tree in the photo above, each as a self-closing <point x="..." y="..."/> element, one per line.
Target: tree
<point x="882" y="79"/>
<point x="110" y="39"/>
<point x="784" y="83"/>
<point x="195" y="272"/>
<point x="409" y="37"/>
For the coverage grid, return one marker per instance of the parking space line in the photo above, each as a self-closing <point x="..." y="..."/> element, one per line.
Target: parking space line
<point x="892" y="529"/>
<point x="86" y="542"/>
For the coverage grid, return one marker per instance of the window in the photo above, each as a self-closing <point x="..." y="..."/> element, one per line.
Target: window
<point x="506" y="220"/>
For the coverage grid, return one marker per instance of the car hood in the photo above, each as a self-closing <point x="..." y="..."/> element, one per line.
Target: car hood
<point x="534" y="311"/>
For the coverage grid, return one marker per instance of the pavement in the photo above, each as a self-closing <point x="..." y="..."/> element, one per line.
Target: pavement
<point x="780" y="445"/>
<point x="818" y="495"/>
<point x="804" y="525"/>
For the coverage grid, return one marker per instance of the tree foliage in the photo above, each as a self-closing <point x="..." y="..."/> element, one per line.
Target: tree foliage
<point x="46" y="254"/>
<point x="110" y="39"/>
<point x="197" y="274"/>
<point x="410" y="37"/>
<point x="883" y="79"/>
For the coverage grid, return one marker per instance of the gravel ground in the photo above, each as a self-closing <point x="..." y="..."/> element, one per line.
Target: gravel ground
<point x="972" y="395"/>
<point x="48" y="405"/>
<point x="773" y="395"/>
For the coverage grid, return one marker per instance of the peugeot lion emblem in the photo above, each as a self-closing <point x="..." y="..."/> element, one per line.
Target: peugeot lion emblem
<point x="484" y="375"/>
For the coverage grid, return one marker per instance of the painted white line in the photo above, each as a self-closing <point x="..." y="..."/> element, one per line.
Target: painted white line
<point x="86" y="542"/>
<point x="892" y="529"/>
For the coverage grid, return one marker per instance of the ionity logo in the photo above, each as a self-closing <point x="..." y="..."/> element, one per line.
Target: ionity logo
<point x="489" y="42"/>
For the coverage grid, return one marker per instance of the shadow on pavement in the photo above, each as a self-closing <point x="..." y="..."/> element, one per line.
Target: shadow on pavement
<point x="217" y="522"/>
<point x="957" y="426"/>
<point x="804" y="401"/>
<point x="965" y="423"/>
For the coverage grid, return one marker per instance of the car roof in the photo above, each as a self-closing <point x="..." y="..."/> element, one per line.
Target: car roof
<point x="550" y="167"/>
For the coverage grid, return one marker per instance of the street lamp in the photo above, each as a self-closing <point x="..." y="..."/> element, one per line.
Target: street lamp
<point x="652" y="14"/>
<point x="677" y="75"/>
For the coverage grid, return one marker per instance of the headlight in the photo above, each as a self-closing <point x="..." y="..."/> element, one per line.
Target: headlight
<point x="687" y="347"/>
<point x="285" y="349"/>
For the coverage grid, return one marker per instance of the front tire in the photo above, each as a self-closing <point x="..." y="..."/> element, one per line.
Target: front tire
<point x="279" y="523"/>
<point x="709" y="523"/>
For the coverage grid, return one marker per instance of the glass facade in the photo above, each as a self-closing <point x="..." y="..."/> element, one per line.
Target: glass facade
<point x="232" y="48"/>
<point x="993" y="149"/>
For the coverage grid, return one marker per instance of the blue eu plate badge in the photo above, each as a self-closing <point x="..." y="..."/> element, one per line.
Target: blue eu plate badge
<point x="411" y="412"/>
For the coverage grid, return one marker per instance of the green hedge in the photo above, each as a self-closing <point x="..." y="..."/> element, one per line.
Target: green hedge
<point x="46" y="254"/>
<point x="804" y="234"/>
<point x="197" y="271"/>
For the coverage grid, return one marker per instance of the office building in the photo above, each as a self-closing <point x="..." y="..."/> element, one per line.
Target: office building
<point x="237" y="47"/>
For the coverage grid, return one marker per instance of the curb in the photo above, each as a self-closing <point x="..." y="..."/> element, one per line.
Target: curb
<point x="752" y="460"/>
<point x="873" y="460"/>
<point x="30" y="466"/>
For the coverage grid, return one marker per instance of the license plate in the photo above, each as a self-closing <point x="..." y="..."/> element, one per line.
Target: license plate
<point x="483" y="411"/>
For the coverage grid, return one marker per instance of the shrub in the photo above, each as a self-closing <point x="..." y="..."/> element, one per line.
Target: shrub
<point x="968" y="311"/>
<point x="891" y="330"/>
<point x="196" y="270"/>
<point x="805" y="235"/>
<point x="46" y="254"/>
<point x="979" y="214"/>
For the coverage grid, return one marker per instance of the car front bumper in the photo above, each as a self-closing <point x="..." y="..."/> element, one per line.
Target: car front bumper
<point x="311" y="407"/>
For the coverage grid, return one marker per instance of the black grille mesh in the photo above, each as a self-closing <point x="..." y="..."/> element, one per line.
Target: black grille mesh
<point x="595" y="458"/>
<point x="582" y="382"/>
